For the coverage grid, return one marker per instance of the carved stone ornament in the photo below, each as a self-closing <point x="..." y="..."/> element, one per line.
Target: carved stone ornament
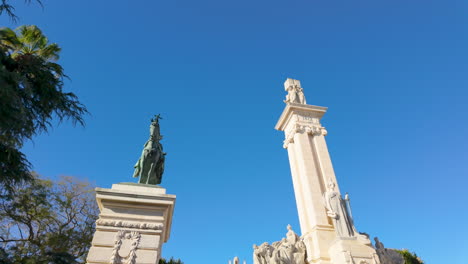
<point x="125" y="247"/>
<point x="115" y="223"/>
<point x="337" y="211"/>
<point x="314" y="130"/>
<point x="290" y="250"/>
<point x="295" y="92"/>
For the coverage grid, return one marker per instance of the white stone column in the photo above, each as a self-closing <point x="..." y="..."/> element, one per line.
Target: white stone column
<point x="310" y="168"/>
<point x="134" y="222"/>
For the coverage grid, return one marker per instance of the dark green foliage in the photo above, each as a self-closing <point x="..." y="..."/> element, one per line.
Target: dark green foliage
<point x="47" y="222"/>
<point x="31" y="96"/>
<point x="410" y="258"/>
<point x="170" y="261"/>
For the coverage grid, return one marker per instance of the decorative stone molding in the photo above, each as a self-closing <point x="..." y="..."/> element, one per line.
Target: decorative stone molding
<point x="314" y="130"/>
<point x="115" y="223"/>
<point x="311" y="129"/>
<point x="119" y="254"/>
<point x="289" y="139"/>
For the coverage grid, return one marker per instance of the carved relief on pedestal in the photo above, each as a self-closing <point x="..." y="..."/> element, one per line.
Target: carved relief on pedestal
<point x="306" y="117"/>
<point x="116" y="223"/>
<point x="125" y="247"/>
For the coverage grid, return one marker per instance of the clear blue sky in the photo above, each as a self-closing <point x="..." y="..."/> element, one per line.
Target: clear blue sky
<point x="393" y="74"/>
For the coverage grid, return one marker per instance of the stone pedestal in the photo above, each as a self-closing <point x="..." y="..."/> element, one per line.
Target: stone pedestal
<point x="353" y="251"/>
<point x="134" y="222"/>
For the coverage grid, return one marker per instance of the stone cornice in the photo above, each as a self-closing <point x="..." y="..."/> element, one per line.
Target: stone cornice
<point x="291" y="109"/>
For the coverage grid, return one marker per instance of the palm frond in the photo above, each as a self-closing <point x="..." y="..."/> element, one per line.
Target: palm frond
<point x="8" y="39"/>
<point x="50" y="52"/>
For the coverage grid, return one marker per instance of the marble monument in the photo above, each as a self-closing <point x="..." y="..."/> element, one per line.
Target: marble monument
<point x="327" y="228"/>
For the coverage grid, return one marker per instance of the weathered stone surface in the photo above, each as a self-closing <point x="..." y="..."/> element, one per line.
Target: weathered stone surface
<point x="352" y="250"/>
<point x="295" y="92"/>
<point x="290" y="250"/>
<point x="387" y="255"/>
<point x="134" y="222"/>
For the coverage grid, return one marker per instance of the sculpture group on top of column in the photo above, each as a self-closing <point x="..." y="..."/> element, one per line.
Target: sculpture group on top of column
<point x="295" y="92"/>
<point x="290" y="250"/>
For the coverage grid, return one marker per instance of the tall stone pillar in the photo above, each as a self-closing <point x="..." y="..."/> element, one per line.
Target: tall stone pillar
<point x="312" y="172"/>
<point x="134" y="222"/>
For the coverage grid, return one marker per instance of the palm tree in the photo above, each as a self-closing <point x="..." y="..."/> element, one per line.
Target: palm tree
<point x="31" y="94"/>
<point x="31" y="41"/>
<point x="27" y="43"/>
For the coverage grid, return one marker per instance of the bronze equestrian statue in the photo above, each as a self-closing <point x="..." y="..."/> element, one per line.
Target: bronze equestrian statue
<point x="150" y="166"/>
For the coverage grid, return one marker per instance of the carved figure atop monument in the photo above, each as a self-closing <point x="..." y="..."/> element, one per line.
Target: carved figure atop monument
<point x="295" y="92"/>
<point x="150" y="166"/>
<point x="336" y="209"/>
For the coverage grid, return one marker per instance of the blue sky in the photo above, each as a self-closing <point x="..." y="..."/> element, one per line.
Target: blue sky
<point x="393" y="74"/>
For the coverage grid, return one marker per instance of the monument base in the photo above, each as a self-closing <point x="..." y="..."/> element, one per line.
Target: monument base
<point x="134" y="221"/>
<point x="317" y="243"/>
<point x="353" y="250"/>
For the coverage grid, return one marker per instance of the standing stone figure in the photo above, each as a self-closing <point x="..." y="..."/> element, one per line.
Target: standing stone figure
<point x="336" y="209"/>
<point x="295" y="92"/>
<point x="150" y="166"/>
